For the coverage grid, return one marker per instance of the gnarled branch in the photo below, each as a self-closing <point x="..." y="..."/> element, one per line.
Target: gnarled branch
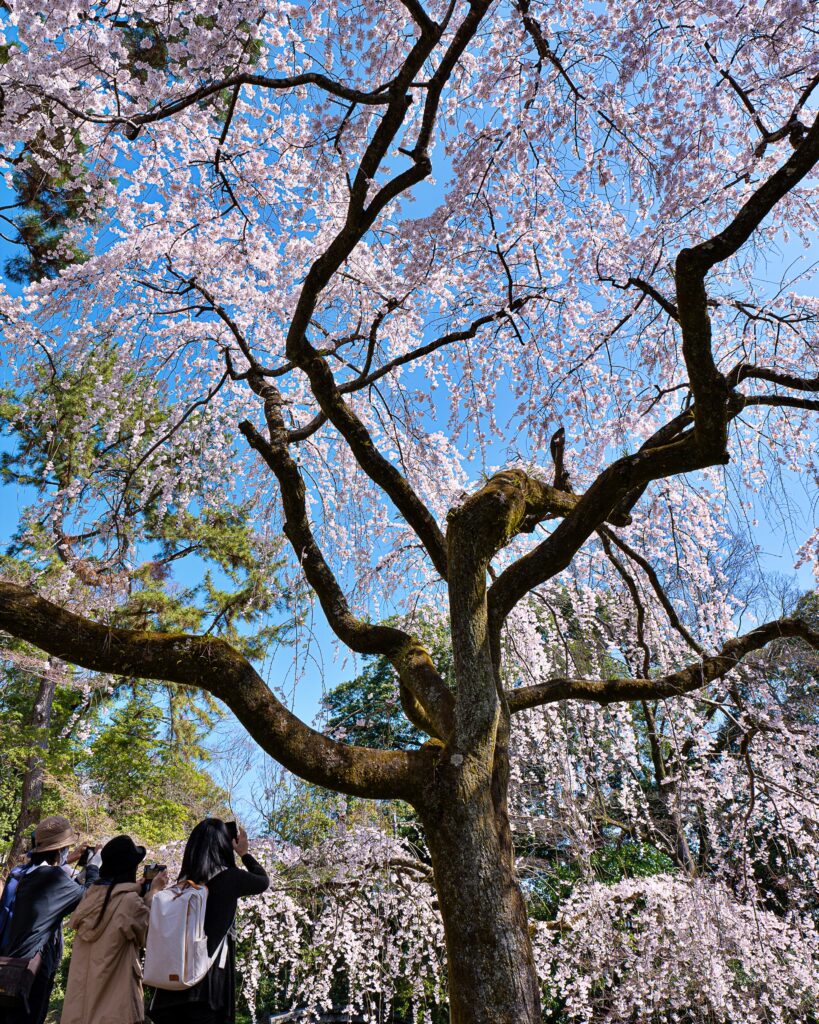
<point x="675" y="684"/>
<point x="414" y="667"/>
<point x="213" y="665"/>
<point x="692" y="440"/>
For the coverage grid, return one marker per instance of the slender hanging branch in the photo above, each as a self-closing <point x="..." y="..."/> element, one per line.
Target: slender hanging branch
<point x="656" y="586"/>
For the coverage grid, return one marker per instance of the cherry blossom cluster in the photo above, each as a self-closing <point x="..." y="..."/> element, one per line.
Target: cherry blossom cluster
<point x="662" y="949"/>
<point x="357" y="910"/>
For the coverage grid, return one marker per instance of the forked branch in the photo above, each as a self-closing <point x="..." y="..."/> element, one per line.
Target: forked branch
<point x="694" y="439"/>
<point x="414" y="666"/>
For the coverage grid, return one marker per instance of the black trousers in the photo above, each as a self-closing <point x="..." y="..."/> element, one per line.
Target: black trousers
<point x="37" y="1002"/>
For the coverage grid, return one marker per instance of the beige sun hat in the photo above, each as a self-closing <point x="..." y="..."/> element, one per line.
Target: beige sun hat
<point x="53" y="833"/>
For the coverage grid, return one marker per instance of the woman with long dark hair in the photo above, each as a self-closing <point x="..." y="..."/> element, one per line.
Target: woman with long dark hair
<point x="111" y="922"/>
<point x="210" y="860"/>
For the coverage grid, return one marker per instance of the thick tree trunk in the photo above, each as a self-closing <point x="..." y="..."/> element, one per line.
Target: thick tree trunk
<point x="34" y="776"/>
<point x="492" y="978"/>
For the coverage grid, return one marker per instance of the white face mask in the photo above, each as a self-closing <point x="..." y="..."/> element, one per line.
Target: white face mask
<point x="63" y="856"/>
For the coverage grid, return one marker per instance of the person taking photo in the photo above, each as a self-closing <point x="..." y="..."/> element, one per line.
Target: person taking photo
<point x="45" y="896"/>
<point x="111" y="923"/>
<point x="210" y="860"/>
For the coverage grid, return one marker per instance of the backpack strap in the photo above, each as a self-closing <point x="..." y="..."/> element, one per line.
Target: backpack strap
<point x="221" y="951"/>
<point x="186" y="883"/>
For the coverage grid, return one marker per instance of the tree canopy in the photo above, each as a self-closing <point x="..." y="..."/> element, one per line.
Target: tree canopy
<point x="455" y="305"/>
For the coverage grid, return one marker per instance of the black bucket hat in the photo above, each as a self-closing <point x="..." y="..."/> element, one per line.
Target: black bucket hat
<point x="120" y="856"/>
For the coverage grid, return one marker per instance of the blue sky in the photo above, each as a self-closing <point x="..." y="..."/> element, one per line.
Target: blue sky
<point x="324" y="665"/>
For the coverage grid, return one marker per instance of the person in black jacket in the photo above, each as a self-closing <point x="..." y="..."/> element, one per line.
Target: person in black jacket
<point x="209" y="859"/>
<point x="45" y="896"/>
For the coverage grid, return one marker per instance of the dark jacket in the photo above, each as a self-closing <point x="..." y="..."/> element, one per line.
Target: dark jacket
<point x="216" y="992"/>
<point x="45" y="896"/>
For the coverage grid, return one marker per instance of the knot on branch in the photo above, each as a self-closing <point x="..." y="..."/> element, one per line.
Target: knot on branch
<point x="557" y="448"/>
<point x="509" y="503"/>
<point x="488" y="519"/>
<point x="796" y="134"/>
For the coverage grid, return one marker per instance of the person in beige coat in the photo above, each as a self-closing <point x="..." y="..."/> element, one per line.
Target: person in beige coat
<point x="110" y="924"/>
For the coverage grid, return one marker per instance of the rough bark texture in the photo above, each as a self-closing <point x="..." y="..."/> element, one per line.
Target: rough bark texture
<point x="34" y="775"/>
<point x="492" y="977"/>
<point x="213" y="665"/>
<point x="492" y="973"/>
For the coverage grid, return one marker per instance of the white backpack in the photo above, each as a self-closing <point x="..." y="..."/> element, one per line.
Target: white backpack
<point x="176" y="951"/>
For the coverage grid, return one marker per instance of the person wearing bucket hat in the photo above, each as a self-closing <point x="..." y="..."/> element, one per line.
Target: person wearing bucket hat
<point x="120" y="857"/>
<point x="110" y="924"/>
<point x="46" y="895"/>
<point x="54" y="833"/>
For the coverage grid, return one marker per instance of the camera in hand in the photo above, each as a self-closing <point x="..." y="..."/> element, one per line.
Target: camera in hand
<point x="233" y="829"/>
<point x="85" y="856"/>
<point x="152" y="870"/>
